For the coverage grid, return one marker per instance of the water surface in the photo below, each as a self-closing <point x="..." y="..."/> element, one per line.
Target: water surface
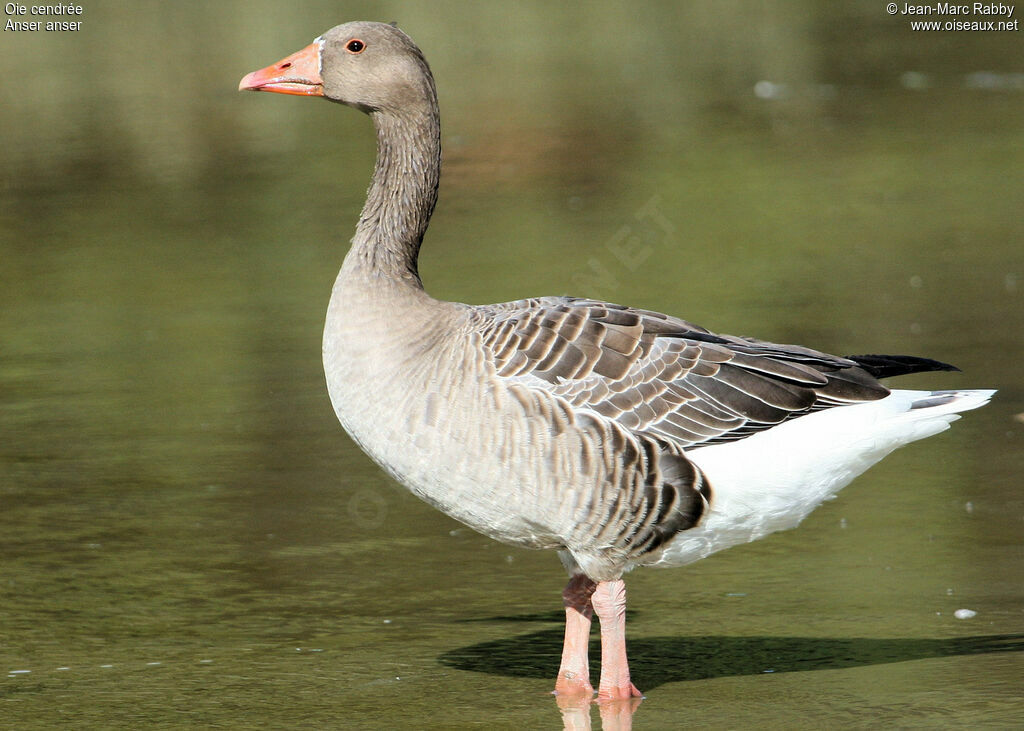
<point x="188" y="537"/>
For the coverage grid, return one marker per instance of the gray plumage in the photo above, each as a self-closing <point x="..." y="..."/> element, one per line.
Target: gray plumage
<point x="553" y="422"/>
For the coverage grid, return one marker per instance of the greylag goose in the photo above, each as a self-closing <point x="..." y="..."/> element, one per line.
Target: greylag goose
<point x="618" y="436"/>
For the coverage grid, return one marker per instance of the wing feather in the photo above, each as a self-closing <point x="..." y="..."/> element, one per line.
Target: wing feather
<point x="662" y="376"/>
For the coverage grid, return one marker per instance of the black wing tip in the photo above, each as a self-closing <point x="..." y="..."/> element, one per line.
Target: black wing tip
<point x="886" y="366"/>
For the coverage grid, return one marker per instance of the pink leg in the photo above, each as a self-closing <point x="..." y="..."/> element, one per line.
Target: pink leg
<point x="609" y="601"/>
<point x="574" y="673"/>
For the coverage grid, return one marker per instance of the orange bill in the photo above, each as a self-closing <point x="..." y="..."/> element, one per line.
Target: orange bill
<point x="297" y="74"/>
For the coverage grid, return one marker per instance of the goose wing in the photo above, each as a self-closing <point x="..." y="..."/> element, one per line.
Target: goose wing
<point x="662" y="376"/>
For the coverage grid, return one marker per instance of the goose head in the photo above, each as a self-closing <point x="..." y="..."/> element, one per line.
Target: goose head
<point x="370" y="66"/>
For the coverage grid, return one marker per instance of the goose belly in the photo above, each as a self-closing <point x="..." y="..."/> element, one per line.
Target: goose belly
<point x="453" y="441"/>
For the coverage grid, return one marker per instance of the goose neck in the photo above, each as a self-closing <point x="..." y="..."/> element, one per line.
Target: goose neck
<point x="402" y="194"/>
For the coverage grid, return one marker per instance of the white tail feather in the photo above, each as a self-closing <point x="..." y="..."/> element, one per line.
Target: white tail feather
<point x="771" y="480"/>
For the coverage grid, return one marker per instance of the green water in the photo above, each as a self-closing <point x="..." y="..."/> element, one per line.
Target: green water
<point x="187" y="537"/>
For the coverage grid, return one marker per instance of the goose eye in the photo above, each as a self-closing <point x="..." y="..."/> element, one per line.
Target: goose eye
<point x="355" y="46"/>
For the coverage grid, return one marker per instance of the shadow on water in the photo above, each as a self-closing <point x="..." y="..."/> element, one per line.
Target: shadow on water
<point x="655" y="661"/>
